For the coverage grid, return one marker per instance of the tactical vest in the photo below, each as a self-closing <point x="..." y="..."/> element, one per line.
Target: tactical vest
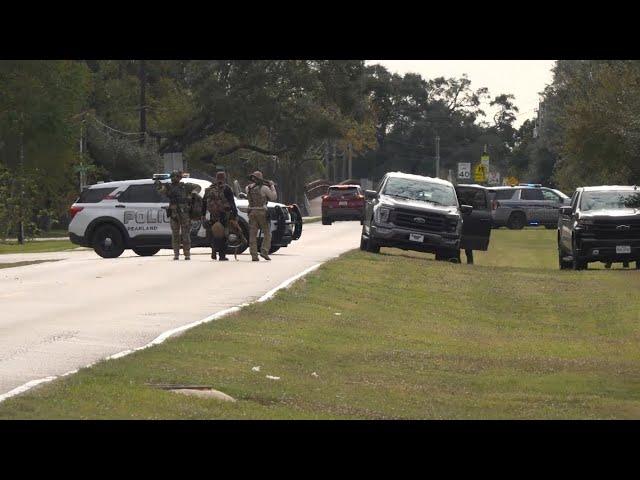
<point x="256" y="198"/>
<point x="178" y="197"/>
<point x="216" y="200"/>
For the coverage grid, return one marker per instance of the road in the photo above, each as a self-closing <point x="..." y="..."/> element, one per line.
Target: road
<point x="62" y="315"/>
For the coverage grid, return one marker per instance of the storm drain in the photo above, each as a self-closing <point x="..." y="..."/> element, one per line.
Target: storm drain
<point x="201" y="391"/>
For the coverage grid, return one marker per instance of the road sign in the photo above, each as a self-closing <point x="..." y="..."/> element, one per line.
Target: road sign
<point x="510" y="181"/>
<point x="480" y="173"/>
<point x="494" y="178"/>
<point x="484" y="159"/>
<point x="464" y="170"/>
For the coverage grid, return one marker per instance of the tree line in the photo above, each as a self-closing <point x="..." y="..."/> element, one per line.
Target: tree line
<point x="296" y="120"/>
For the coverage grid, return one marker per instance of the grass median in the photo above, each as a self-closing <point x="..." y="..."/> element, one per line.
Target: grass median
<point x="395" y="335"/>
<point x="36" y="246"/>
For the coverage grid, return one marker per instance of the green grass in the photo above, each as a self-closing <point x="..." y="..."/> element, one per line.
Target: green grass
<point x="36" y="247"/>
<point x="509" y="337"/>
<point x="311" y="219"/>
<point x="22" y="264"/>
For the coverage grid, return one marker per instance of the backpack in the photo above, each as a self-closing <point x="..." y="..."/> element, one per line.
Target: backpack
<point x="195" y="210"/>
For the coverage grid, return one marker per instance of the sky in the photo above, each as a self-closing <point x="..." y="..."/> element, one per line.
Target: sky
<point x="523" y="78"/>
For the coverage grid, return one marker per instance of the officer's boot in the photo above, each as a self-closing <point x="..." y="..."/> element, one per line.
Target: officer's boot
<point x="187" y="254"/>
<point x="223" y="256"/>
<point x="176" y="254"/>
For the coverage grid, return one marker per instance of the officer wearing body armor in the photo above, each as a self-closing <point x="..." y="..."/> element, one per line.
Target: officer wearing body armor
<point x="180" y="203"/>
<point x="220" y="203"/>
<point x="259" y="192"/>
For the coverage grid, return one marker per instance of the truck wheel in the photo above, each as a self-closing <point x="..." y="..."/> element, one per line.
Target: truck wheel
<point x="564" y="264"/>
<point x="108" y="242"/>
<point x="517" y="221"/>
<point x="273" y="249"/>
<point x="577" y="262"/>
<point x="146" y="251"/>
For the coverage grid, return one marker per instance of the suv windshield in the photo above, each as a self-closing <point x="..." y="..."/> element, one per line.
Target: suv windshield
<point x="609" y="200"/>
<point x="420" y="190"/>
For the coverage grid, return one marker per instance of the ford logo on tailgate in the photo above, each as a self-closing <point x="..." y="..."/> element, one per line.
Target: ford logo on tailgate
<point x="419" y="220"/>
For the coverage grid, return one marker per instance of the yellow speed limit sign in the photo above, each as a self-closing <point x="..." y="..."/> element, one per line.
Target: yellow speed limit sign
<point x="481" y="173"/>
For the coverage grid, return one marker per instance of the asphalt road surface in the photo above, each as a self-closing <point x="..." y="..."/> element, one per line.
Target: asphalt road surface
<point x="59" y="316"/>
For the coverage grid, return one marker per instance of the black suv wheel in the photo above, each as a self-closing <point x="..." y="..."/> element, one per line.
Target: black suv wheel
<point x="326" y="221"/>
<point x="517" y="221"/>
<point x="146" y="251"/>
<point x="108" y="242"/>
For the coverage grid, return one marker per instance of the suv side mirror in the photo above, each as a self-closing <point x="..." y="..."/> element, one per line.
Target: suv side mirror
<point x="466" y="209"/>
<point x="370" y="194"/>
<point x="566" y="211"/>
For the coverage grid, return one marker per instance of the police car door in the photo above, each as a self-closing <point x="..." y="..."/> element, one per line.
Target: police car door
<point x="476" y="226"/>
<point x="144" y="219"/>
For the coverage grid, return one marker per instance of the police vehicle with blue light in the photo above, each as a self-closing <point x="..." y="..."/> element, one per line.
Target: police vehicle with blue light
<point x="131" y="214"/>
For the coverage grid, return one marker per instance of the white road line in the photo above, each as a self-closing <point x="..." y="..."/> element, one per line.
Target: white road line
<point x="162" y="337"/>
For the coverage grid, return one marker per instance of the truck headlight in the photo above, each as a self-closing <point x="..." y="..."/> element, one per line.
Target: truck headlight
<point x="382" y="215"/>
<point x="584" y="223"/>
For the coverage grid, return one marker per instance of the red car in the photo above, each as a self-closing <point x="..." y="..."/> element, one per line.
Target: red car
<point x="342" y="202"/>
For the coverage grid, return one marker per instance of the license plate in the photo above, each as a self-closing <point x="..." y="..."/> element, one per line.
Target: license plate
<point x="343" y="204"/>
<point x="416" y="238"/>
<point x="623" y="249"/>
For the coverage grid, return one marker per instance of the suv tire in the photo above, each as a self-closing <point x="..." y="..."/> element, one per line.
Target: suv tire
<point x="146" y="251"/>
<point x="108" y="242"/>
<point x="517" y="221"/>
<point x="326" y="221"/>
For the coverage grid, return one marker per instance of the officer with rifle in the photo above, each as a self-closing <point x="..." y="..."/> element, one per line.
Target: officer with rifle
<point x="259" y="192"/>
<point x="220" y="203"/>
<point x="180" y="204"/>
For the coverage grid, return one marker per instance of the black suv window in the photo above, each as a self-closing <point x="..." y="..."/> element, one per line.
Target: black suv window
<point x="506" y="194"/>
<point x="94" y="195"/>
<point x="472" y="196"/>
<point x="531" y="194"/>
<point x="142" y="194"/>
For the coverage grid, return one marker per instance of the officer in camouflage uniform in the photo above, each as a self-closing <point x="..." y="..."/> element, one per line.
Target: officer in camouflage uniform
<point x="220" y="203"/>
<point x="259" y="193"/>
<point x="179" y="195"/>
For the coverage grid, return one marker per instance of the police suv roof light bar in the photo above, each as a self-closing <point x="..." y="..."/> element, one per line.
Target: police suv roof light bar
<point x="529" y="185"/>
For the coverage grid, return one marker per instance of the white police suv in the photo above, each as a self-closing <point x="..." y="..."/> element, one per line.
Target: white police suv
<point x="111" y="217"/>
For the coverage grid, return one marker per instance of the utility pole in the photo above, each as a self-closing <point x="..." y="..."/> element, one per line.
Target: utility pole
<point x="143" y="107"/>
<point x="350" y="160"/>
<point x="83" y="173"/>
<point x="21" y="167"/>
<point x="437" y="156"/>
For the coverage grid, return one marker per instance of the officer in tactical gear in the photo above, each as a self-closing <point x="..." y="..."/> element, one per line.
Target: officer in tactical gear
<point x="180" y="198"/>
<point x="259" y="192"/>
<point x="220" y="203"/>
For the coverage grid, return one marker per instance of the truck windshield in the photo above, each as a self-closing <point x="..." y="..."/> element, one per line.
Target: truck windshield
<point x="609" y="200"/>
<point x="421" y="190"/>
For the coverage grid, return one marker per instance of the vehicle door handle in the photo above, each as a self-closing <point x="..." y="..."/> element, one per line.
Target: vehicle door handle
<point x="121" y="206"/>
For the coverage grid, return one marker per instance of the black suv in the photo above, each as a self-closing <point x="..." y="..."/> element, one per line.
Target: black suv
<point x="602" y="224"/>
<point x="413" y="212"/>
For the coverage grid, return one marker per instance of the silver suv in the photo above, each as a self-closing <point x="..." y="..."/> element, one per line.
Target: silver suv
<point x="526" y="204"/>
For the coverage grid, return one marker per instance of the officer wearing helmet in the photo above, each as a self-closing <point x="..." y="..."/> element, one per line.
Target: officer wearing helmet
<point x="220" y="203"/>
<point x="259" y="192"/>
<point x="180" y="199"/>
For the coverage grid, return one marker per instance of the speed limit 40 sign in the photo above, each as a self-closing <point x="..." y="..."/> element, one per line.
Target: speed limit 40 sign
<point x="464" y="170"/>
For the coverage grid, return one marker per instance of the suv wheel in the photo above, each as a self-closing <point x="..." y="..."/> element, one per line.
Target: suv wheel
<point x="146" y="251"/>
<point x="517" y="221"/>
<point x="108" y="242"/>
<point x="326" y="221"/>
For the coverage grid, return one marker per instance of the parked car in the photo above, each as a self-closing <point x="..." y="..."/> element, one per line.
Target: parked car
<point x="412" y="212"/>
<point x="602" y="224"/>
<point x="342" y="202"/>
<point x="528" y="204"/>
<point x="111" y="217"/>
